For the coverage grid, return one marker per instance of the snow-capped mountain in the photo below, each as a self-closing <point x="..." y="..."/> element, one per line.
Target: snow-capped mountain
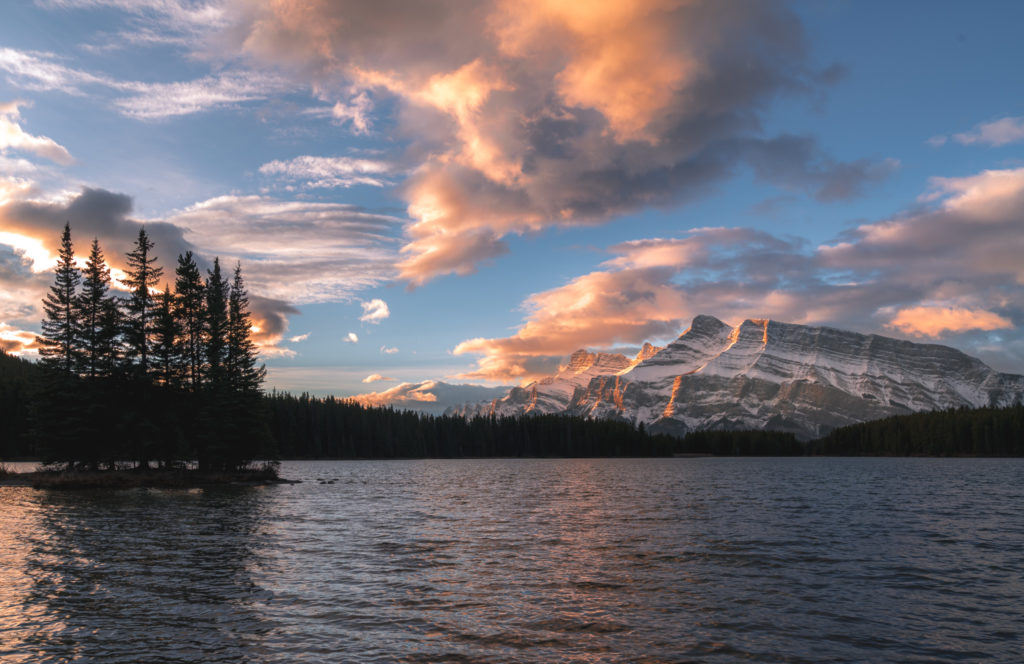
<point x="764" y="374"/>
<point x="430" y="396"/>
<point x="555" y="394"/>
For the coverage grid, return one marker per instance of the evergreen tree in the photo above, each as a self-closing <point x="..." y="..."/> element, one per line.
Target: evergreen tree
<point x="189" y="312"/>
<point x="143" y="274"/>
<point x="215" y="328"/>
<point x="97" y="316"/>
<point x="168" y="368"/>
<point x="243" y="374"/>
<point x="59" y="343"/>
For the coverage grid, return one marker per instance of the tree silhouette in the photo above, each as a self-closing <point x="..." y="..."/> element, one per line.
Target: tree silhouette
<point x="143" y="274"/>
<point x="97" y="317"/>
<point x="58" y="343"/>
<point x="189" y="311"/>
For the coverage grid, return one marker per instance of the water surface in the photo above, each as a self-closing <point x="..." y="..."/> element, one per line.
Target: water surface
<point x="653" y="560"/>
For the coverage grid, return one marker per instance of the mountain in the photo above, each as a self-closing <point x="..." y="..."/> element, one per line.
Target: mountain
<point x="555" y="394"/>
<point x="431" y="396"/>
<point x="765" y="374"/>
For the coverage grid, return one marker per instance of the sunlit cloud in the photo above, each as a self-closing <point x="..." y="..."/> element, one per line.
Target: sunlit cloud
<point x="373" y="378"/>
<point x="298" y="338"/>
<point x="17" y="342"/>
<point x="351" y="338"/>
<point x="388" y="350"/>
<point x="329" y="172"/>
<point x="374" y="311"/>
<point x="13" y="137"/>
<point x="934" y="321"/>
<point x="527" y="115"/>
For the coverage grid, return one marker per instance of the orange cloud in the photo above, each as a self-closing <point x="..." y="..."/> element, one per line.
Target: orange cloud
<point x="528" y="114"/>
<point x="17" y="342"/>
<point x="933" y="321"/>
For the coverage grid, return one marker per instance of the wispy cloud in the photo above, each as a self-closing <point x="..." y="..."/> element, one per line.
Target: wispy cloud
<point x="351" y="338"/>
<point x="329" y="172"/>
<point x="333" y="252"/>
<point x="388" y="350"/>
<point x="996" y="133"/>
<point x="41" y="71"/>
<point x="298" y="338"/>
<point x="373" y="378"/>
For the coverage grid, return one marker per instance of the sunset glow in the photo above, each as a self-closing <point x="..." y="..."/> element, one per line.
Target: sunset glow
<point x="473" y="192"/>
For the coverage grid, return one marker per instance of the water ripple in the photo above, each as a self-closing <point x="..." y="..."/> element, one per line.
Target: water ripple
<point x="704" y="560"/>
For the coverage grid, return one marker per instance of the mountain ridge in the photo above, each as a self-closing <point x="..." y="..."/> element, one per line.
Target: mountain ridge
<point x="763" y="374"/>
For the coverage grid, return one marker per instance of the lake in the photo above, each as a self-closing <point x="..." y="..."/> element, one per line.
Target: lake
<point x="509" y="560"/>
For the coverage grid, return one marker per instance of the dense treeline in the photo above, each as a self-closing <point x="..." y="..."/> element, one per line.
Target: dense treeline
<point x="169" y="376"/>
<point x="311" y="427"/>
<point x="955" y="432"/>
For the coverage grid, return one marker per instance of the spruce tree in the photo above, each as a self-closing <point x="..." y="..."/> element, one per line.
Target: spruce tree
<point x="97" y="324"/>
<point x="215" y="329"/>
<point x="189" y="312"/>
<point x="243" y="374"/>
<point x="143" y="274"/>
<point x="59" y="343"/>
<point x="167" y="368"/>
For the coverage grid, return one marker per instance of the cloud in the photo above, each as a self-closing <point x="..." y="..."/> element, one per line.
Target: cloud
<point x="93" y="213"/>
<point x="350" y="338"/>
<point x="298" y="338"/>
<point x="373" y="378"/>
<point x="13" y="137"/>
<point x="17" y="342"/>
<point x="154" y="101"/>
<point x="42" y="71"/>
<point x="996" y="133"/>
<point x="329" y="172"/>
<point x="388" y="350"/>
<point x="929" y="321"/>
<point x="374" y="311"/>
<point x="333" y="251"/>
<point x="523" y="116"/>
<point x="951" y="272"/>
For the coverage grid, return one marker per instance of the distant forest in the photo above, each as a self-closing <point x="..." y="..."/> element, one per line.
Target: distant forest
<point x="171" y="378"/>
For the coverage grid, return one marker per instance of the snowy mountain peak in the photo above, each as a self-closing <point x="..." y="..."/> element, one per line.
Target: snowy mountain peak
<point x="765" y="374"/>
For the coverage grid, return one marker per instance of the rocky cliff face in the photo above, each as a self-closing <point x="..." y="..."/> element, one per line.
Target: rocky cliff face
<point x="767" y="374"/>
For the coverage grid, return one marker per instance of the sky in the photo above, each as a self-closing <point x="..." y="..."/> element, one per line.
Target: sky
<point x="468" y="191"/>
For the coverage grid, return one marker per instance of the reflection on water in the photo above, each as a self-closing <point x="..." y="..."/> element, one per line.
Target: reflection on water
<point x="527" y="561"/>
<point x="109" y="575"/>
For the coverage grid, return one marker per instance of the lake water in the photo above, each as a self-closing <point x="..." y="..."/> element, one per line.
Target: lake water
<point x="652" y="560"/>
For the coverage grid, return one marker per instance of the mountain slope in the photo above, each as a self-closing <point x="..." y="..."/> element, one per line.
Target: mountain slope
<point x="769" y="375"/>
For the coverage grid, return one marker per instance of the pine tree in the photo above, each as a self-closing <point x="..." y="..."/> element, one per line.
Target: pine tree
<point x="189" y="312"/>
<point x="143" y="274"/>
<point x="243" y="374"/>
<point x="59" y="344"/>
<point x="215" y="329"/>
<point x="165" y="347"/>
<point x="98" y="327"/>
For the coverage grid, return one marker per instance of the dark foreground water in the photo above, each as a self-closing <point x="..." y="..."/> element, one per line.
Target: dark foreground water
<point x="670" y="560"/>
